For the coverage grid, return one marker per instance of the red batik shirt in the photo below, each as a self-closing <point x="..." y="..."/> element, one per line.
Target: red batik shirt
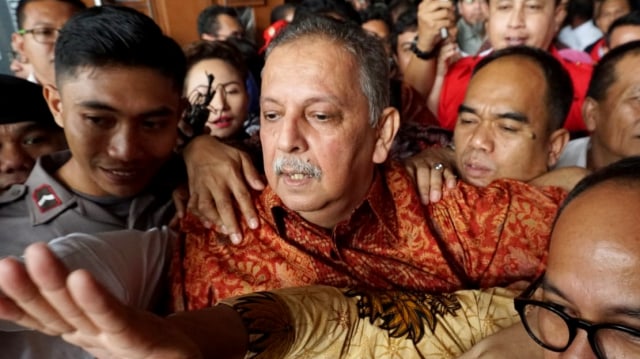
<point x="473" y="237"/>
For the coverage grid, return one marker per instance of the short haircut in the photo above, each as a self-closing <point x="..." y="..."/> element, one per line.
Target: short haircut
<point x="220" y="50"/>
<point x="367" y="51"/>
<point x="77" y="4"/>
<point x="208" y="19"/>
<point x="558" y="95"/>
<point x="604" y="73"/>
<point x="630" y="19"/>
<point x="624" y="171"/>
<point x="105" y="36"/>
<point x="341" y="8"/>
<point x="407" y="21"/>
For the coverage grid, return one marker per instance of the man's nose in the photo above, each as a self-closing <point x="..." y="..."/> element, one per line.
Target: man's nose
<point x="579" y="348"/>
<point x="124" y="145"/>
<point x="516" y="18"/>
<point x="290" y="135"/>
<point x="482" y="137"/>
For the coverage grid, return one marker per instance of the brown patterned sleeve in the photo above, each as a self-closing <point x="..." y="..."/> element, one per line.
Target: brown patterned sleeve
<point x="322" y="321"/>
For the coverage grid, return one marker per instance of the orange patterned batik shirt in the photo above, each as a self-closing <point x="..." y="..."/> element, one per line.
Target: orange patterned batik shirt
<point x="472" y="238"/>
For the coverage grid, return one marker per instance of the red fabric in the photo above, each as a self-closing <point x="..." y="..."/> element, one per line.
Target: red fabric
<point x="414" y="108"/>
<point x="596" y="49"/>
<point x="457" y="79"/>
<point x="492" y="236"/>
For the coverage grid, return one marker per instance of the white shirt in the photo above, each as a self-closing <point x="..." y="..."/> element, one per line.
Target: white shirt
<point x="575" y="154"/>
<point x="580" y="37"/>
<point x="129" y="264"/>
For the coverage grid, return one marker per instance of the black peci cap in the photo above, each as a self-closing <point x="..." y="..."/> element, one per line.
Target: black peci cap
<point x="22" y="101"/>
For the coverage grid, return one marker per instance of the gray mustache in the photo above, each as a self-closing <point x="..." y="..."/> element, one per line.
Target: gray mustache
<point x="294" y="164"/>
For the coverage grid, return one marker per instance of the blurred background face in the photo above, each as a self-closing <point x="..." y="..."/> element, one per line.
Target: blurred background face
<point x="473" y="11"/>
<point x="230" y="104"/>
<point x="229" y="27"/>
<point x="121" y="127"/>
<point x="609" y="11"/>
<point x="521" y="22"/>
<point x="403" y="49"/>
<point x="20" y="145"/>
<point x="44" y="18"/>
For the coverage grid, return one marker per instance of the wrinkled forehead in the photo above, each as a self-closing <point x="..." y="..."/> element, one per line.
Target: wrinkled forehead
<point x="506" y="74"/>
<point x="310" y="54"/>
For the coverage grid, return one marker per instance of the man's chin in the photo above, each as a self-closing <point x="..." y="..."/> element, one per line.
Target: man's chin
<point x="477" y="181"/>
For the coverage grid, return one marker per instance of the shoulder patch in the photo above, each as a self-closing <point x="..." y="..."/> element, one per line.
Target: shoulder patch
<point x="13" y="193"/>
<point x="45" y="198"/>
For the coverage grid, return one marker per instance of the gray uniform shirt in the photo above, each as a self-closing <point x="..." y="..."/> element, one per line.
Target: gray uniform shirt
<point x="43" y="209"/>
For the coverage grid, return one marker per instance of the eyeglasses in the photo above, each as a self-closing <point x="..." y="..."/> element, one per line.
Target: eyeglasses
<point x="43" y="35"/>
<point x="549" y="326"/>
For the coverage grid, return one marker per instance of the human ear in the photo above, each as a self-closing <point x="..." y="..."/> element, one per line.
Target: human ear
<point x="17" y="43"/>
<point x="557" y="142"/>
<point x="387" y="129"/>
<point x="590" y="113"/>
<point x="52" y="96"/>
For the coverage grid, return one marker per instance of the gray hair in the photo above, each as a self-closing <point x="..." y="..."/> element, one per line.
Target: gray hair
<point x="367" y="50"/>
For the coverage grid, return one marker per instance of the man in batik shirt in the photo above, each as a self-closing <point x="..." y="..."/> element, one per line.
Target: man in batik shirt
<point x="334" y="214"/>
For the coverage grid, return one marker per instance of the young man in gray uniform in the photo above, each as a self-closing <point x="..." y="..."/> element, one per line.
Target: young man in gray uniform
<point x="118" y="99"/>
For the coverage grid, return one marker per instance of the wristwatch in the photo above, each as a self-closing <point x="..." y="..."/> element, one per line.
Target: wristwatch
<point x="424" y="55"/>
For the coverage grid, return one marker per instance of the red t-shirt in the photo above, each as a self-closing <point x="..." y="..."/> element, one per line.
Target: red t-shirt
<point x="458" y="76"/>
<point x="596" y="51"/>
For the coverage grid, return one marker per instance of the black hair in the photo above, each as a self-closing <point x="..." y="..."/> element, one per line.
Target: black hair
<point x="208" y="19"/>
<point x="376" y="11"/>
<point x="221" y="50"/>
<point x="407" y="21"/>
<point x="559" y="91"/>
<point x="77" y="4"/>
<point x="399" y="7"/>
<point x="340" y="8"/>
<point x="630" y="19"/>
<point x="108" y="35"/>
<point x="579" y="9"/>
<point x="626" y="170"/>
<point x="604" y="73"/>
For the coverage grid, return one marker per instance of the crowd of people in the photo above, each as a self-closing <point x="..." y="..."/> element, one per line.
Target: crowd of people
<point x="380" y="179"/>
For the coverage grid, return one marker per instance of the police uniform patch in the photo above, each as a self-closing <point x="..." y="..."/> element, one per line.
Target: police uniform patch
<point x="45" y="198"/>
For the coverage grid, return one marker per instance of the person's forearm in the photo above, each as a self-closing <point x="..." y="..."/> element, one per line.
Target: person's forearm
<point x="420" y="74"/>
<point x="218" y="331"/>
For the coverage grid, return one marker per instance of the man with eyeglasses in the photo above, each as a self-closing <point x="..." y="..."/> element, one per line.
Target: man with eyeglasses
<point x="39" y="22"/>
<point x="587" y="304"/>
